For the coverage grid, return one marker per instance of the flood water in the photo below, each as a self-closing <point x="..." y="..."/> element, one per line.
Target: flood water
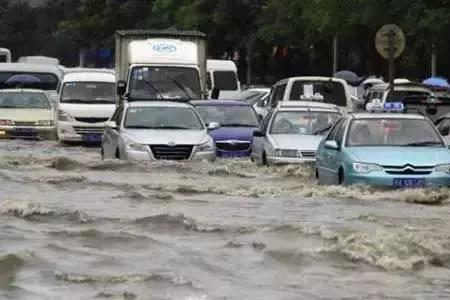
<point x="75" y="227"/>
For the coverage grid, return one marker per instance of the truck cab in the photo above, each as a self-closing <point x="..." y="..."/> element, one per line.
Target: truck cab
<point x="223" y="75"/>
<point x="161" y="65"/>
<point x="324" y="89"/>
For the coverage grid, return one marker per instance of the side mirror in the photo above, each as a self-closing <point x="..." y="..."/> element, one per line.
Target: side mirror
<point x="261" y="103"/>
<point x="258" y="133"/>
<point x="121" y="87"/>
<point x="111" y="124"/>
<point x="332" y="145"/>
<point x="213" y="126"/>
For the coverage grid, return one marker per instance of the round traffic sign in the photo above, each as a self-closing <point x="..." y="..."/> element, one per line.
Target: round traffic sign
<point x="387" y="34"/>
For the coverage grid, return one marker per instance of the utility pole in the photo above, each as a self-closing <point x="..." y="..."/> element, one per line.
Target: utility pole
<point x="335" y="54"/>
<point x="433" y="60"/>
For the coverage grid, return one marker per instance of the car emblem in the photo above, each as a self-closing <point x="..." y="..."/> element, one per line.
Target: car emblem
<point x="171" y="144"/>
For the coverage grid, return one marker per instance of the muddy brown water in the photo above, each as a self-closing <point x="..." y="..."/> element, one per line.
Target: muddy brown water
<point x="75" y="227"/>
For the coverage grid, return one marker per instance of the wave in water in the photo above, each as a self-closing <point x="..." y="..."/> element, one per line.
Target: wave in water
<point x="177" y="222"/>
<point x="35" y="211"/>
<point x="128" y="278"/>
<point x="10" y="264"/>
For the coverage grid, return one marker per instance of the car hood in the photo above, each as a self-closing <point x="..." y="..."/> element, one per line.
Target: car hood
<point x="26" y="115"/>
<point x="164" y="137"/>
<point x="88" y="110"/>
<point x="296" y="141"/>
<point x="400" y="156"/>
<point x="233" y="133"/>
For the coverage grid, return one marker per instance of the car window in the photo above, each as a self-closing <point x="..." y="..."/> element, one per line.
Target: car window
<point x="340" y="133"/>
<point x="117" y="116"/>
<point x="443" y="126"/>
<point x="332" y="135"/>
<point x="265" y="123"/>
<point x="25" y="100"/>
<point x="278" y="94"/>
<point x="392" y="132"/>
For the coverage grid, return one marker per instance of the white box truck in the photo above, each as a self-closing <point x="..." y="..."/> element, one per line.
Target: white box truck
<point x="5" y="55"/>
<point x="161" y="65"/>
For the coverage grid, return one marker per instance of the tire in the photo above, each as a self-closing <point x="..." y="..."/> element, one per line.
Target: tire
<point x="341" y="177"/>
<point x="264" y="159"/>
<point x="317" y="174"/>
<point x="102" y="152"/>
<point x="117" y="154"/>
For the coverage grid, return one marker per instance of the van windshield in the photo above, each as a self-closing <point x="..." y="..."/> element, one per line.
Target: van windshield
<point x="30" y="80"/>
<point x="225" y="80"/>
<point x="88" y="92"/>
<point x="170" y="83"/>
<point x="332" y="92"/>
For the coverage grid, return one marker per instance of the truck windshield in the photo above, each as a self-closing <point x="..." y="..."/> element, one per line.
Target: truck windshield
<point x="175" y="83"/>
<point x="39" y="81"/>
<point x="24" y="100"/>
<point x="332" y="92"/>
<point x="225" y="80"/>
<point x="88" y="92"/>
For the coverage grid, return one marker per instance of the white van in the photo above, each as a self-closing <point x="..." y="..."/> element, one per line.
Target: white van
<point x="44" y="60"/>
<point x="86" y="101"/>
<point x="5" y="55"/>
<point x="222" y="74"/>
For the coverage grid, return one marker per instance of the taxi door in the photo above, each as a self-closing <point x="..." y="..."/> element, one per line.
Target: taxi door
<point x="329" y="161"/>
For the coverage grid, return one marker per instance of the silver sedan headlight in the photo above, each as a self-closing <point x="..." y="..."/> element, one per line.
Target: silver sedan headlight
<point x="206" y="147"/>
<point x="287" y="153"/>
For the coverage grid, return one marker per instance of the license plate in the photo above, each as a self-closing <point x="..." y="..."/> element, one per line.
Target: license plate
<point x="92" y="138"/>
<point x="409" y="182"/>
<point x="230" y="155"/>
<point x="24" y="130"/>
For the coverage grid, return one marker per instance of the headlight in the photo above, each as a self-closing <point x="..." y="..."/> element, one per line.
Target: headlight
<point x="443" y="168"/>
<point x="44" y="123"/>
<point x="206" y="147"/>
<point x="65" y="117"/>
<point x="6" y="122"/>
<point x="366" y="168"/>
<point x="287" y="153"/>
<point x="137" y="147"/>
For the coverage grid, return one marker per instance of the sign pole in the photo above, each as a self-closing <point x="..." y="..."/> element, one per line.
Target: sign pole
<point x="391" y="37"/>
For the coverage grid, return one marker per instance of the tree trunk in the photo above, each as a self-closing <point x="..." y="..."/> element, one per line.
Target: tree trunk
<point x="249" y="49"/>
<point x="335" y="55"/>
<point x="433" y="60"/>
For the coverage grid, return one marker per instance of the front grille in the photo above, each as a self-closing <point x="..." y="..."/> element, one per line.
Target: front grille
<point x="308" y="154"/>
<point x="408" y="170"/>
<point x="92" y="120"/>
<point x="88" y="130"/>
<point x="165" y="152"/>
<point x="233" y="145"/>
<point x="24" y="123"/>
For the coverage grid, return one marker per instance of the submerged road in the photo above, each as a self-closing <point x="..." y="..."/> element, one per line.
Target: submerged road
<point x="75" y="227"/>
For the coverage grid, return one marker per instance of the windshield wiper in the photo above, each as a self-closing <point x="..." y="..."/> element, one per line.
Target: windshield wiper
<point x="180" y="86"/>
<point x="424" y="143"/>
<point x="73" y="101"/>
<point x="152" y="86"/>
<point x="238" y="125"/>
<point x="322" y="130"/>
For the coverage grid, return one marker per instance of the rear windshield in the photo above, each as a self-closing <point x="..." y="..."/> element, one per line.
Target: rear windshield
<point x="225" y="80"/>
<point x="399" y="96"/>
<point x="39" y="81"/>
<point x="332" y="92"/>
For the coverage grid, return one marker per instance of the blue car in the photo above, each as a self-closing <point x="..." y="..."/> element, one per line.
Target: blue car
<point x="237" y="120"/>
<point x="384" y="149"/>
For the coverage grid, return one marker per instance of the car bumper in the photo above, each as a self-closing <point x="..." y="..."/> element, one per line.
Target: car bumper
<point x="275" y="160"/>
<point x="77" y="131"/>
<point x="233" y="154"/>
<point x="28" y="132"/>
<point x="382" y="179"/>
<point x="147" y="156"/>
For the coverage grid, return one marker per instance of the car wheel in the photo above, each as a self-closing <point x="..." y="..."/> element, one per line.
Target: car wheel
<point x="317" y="174"/>
<point x="341" y="177"/>
<point x="264" y="159"/>
<point x="102" y="153"/>
<point x="118" y="154"/>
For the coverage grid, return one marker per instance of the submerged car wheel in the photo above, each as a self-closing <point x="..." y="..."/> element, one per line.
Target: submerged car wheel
<point x="102" y="153"/>
<point x="264" y="159"/>
<point x="341" y="178"/>
<point x="118" y="154"/>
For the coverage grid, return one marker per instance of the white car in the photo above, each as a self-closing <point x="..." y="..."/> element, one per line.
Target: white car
<point x="86" y="101"/>
<point x="292" y="132"/>
<point x="26" y="114"/>
<point x="257" y="97"/>
<point x="158" y="130"/>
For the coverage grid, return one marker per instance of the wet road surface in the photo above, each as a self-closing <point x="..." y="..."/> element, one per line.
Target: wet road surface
<point x="75" y="227"/>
